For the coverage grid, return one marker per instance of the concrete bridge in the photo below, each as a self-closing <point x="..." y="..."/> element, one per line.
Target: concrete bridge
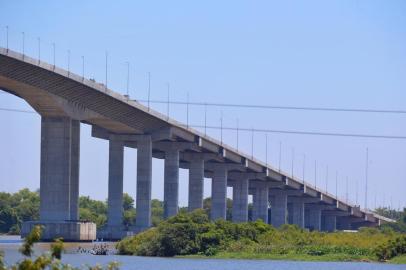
<point x="64" y="100"/>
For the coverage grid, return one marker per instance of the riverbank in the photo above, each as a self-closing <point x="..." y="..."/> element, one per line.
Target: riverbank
<point x="194" y="236"/>
<point x="297" y="257"/>
<point x="287" y="257"/>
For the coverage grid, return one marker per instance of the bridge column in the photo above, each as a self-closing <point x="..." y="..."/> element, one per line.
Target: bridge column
<point x="59" y="187"/>
<point x="171" y="182"/>
<point x="115" y="192"/>
<point x="279" y="208"/>
<point x="329" y="223"/>
<point x="260" y="202"/>
<point x="74" y="175"/>
<point x="313" y="218"/>
<point x="144" y="179"/>
<point x="298" y="210"/>
<point x="219" y="193"/>
<point x="196" y="179"/>
<point x="240" y="200"/>
<point x="59" y="182"/>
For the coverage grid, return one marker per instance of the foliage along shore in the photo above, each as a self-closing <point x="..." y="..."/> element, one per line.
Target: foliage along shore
<point x="193" y="235"/>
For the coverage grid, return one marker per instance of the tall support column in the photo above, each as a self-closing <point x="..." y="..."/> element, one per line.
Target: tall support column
<point x="144" y="179"/>
<point x="196" y="179"/>
<point x="298" y="210"/>
<point x="313" y="218"/>
<point x="59" y="187"/>
<point x="171" y="183"/>
<point x="343" y="223"/>
<point x="115" y="192"/>
<point x="329" y="223"/>
<point x="219" y="193"/>
<point x="260" y="202"/>
<point x="74" y="175"/>
<point x="240" y="201"/>
<point x="279" y="209"/>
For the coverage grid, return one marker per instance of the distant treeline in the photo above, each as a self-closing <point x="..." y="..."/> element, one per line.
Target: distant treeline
<point x="16" y="208"/>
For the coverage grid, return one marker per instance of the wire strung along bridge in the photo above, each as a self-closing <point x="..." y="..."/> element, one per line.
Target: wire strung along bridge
<point x="64" y="100"/>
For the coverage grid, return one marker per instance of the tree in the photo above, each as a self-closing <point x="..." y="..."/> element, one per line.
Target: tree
<point x="128" y="202"/>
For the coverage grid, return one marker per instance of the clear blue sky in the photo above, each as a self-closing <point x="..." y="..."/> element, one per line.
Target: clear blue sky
<point x="295" y="53"/>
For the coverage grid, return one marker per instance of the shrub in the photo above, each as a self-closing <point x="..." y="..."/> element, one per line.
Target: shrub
<point x="392" y="248"/>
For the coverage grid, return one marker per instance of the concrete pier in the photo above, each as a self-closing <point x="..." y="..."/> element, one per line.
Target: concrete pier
<point x="298" y="212"/>
<point x="144" y="180"/>
<point x="171" y="183"/>
<point x="260" y="202"/>
<point x="343" y="223"/>
<point x="115" y="192"/>
<point x="279" y="209"/>
<point x="59" y="187"/>
<point x="240" y="200"/>
<point x="313" y="218"/>
<point x="196" y="181"/>
<point x="329" y="223"/>
<point x="59" y="183"/>
<point x="219" y="193"/>
<point x="74" y="174"/>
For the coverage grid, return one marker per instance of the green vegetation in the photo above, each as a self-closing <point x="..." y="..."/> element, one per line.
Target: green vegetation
<point x="399" y="216"/>
<point x="401" y="259"/>
<point x="24" y="206"/>
<point x="192" y="234"/>
<point x="17" y="208"/>
<point x="50" y="260"/>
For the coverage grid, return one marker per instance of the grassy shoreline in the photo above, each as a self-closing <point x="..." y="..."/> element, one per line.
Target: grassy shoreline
<point x="286" y="257"/>
<point x="340" y="257"/>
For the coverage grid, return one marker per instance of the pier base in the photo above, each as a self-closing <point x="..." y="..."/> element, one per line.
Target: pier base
<point x="70" y="231"/>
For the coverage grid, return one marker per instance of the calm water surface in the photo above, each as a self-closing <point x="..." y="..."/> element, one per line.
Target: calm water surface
<point x="9" y="245"/>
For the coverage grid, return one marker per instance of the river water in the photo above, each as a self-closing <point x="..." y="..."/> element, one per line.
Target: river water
<point x="10" y="244"/>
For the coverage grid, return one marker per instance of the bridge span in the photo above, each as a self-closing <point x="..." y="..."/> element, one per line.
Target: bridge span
<point x="64" y="100"/>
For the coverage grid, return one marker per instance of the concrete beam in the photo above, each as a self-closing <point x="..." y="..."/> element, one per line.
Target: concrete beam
<point x="251" y="165"/>
<point x="327" y="199"/>
<point x="310" y="191"/>
<point x="243" y="175"/>
<point x="227" y="166"/>
<point x="276" y="176"/>
<point x="180" y="146"/>
<point x="188" y="156"/>
<point x="304" y="200"/>
<point x="209" y="146"/>
<point x="342" y="206"/>
<point x="336" y="213"/>
<point x="291" y="183"/>
<point x="234" y="157"/>
<point x="295" y="193"/>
